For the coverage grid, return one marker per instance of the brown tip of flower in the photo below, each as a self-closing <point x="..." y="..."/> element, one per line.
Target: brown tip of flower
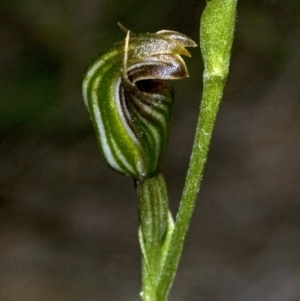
<point x="179" y="37"/>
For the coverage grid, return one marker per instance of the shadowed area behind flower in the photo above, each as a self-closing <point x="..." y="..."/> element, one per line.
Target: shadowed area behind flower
<point x="68" y="224"/>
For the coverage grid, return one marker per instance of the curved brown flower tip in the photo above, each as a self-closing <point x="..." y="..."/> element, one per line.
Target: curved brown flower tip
<point x="181" y="38"/>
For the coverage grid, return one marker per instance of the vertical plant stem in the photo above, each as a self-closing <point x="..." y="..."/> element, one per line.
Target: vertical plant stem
<point x="155" y="228"/>
<point x="209" y="110"/>
<point x="216" y="36"/>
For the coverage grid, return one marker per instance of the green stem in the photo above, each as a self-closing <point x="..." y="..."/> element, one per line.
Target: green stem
<point x="209" y="110"/>
<point x="155" y="231"/>
<point x="216" y="36"/>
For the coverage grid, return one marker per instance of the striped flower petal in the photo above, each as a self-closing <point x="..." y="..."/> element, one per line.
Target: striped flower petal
<point x="130" y="101"/>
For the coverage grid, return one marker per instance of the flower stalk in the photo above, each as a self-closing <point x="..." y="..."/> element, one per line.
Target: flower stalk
<point x="156" y="227"/>
<point x="216" y="37"/>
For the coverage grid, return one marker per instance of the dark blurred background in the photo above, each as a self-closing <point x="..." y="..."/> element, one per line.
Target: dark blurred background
<point x="68" y="224"/>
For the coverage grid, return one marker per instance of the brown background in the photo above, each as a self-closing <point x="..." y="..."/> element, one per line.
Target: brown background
<point x="68" y="224"/>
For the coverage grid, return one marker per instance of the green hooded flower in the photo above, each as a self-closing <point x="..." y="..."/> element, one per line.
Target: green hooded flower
<point x="130" y="101"/>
